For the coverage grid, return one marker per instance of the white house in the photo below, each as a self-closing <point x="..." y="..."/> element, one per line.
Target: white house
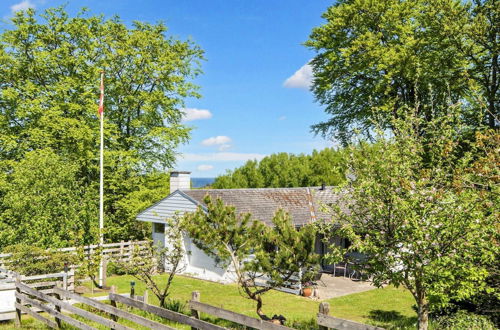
<point x="303" y="204"/>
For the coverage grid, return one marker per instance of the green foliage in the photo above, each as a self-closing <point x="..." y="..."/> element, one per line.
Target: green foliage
<point x="287" y="170"/>
<point x="144" y="263"/>
<point x="421" y="212"/>
<point x="30" y="260"/>
<point x="284" y="250"/>
<point x="44" y="203"/>
<point x="49" y="72"/>
<point x="251" y="248"/>
<point x="89" y="262"/>
<point x="465" y="321"/>
<point x="374" y="58"/>
<point x="176" y="305"/>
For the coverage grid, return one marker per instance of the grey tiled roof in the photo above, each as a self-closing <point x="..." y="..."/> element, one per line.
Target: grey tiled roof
<point x="303" y="204"/>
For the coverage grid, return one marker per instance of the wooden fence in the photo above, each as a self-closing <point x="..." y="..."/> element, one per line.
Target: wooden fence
<point x="31" y="301"/>
<point x="324" y="321"/>
<point x="58" y="304"/>
<point x="196" y="307"/>
<point x="43" y="283"/>
<point x="118" y="251"/>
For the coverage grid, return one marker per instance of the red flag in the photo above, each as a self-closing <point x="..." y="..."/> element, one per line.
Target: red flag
<point x="101" y="99"/>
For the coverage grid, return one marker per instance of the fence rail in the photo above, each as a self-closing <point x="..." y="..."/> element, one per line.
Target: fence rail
<point x="121" y="250"/>
<point x="43" y="283"/>
<point x="197" y="307"/>
<point x="31" y="301"/>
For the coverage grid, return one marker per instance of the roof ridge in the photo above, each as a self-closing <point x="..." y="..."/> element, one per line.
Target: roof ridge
<point x="267" y="188"/>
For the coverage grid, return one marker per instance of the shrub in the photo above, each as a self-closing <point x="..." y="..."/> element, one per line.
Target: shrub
<point x="115" y="268"/>
<point x="30" y="260"/>
<point x="463" y="320"/>
<point x="176" y="305"/>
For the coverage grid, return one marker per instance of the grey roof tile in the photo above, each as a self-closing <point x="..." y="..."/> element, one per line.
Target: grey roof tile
<point x="263" y="203"/>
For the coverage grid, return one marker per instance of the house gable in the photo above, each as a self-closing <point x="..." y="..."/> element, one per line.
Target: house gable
<point x="175" y="203"/>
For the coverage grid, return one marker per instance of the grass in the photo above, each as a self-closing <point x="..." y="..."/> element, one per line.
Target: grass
<point x="384" y="307"/>
<point x="388" y="307"/>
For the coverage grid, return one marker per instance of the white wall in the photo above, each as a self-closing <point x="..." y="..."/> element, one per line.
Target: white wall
<point x="196" y="262"/>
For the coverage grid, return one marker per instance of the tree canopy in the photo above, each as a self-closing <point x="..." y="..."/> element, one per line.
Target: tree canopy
<point x="287" y="170"/>
<point x="423" y="209"/>
<point x="49" y="78"/>
<point x="374" y="58"/>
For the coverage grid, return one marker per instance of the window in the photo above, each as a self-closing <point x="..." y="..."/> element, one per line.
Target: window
<point x="159" y="228"/>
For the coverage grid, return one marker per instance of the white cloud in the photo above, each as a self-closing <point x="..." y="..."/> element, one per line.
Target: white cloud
<point x="216" y="140"/>
<point x="195" y="114"/>
<point x="224" y="147"/>
<point x="204" y="167"/>
<point x="23" y="5"/>
<point x="282" y="118"/>
<point x="302" y="78"/>
<point x="221" y="157"/>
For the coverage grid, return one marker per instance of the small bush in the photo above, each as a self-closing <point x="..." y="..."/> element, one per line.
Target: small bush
<point x="302" y="324"/>
<point x="115" y="268"/>
<point x="176" y="306"/>
<point x="463" y="320"/>
<point x="30" y="260"/>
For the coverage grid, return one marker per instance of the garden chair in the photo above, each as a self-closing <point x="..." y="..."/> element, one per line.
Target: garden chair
<point x="340" y="266"/>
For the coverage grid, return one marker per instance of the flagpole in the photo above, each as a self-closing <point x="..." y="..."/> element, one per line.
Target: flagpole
<point x="101" y="183"/>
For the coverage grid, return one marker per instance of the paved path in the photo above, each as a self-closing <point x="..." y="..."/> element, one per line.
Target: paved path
<point x="340" y="286"/>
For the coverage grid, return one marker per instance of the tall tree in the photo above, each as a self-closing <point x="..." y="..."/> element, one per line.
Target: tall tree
<point x="49" y="78"/>
<point x="375" y="57"/>
<point x="422" y="210"/>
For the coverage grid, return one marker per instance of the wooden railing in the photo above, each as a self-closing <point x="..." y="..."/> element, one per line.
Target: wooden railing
<point x="57" y="303"/>
<point x="31" y="301"/>
<point x="121" y="251"/>
<point x="42" y="283"/>
<point x="196" y="307"/>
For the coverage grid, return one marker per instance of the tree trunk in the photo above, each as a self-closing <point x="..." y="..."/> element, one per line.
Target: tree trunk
<point x="423" y="314"/>
<point x="162" y="301"/>
<point x="259" y="308"/>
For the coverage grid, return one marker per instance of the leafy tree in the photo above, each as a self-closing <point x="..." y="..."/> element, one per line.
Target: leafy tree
<point x="287" y="170"/>
<point x="49" y="78"/>
<point x="144" y="263"/>
<point x="420" y="212"/>
<point x="43" y="203"/>
<point x="373" y="58"/>
<point x="252" y="249"/>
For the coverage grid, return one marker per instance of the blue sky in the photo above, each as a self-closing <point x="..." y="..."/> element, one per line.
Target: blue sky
<point x="255" y="97"/>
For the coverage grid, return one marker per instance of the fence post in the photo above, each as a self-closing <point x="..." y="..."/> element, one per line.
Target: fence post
<point x="324" y="308"/>
<point x="65" y="276"/>
<point x="121" y="250"/>
<point x="145" y="297"/>
<point x="58" y="308"/>
<point x="195" y="296"/>
<point x="18" y="300"/>
<point x="113" y="302"/>
<point x="132" y="290"/>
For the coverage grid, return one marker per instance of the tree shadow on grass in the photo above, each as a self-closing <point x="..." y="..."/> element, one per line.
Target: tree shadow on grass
<point x="393" y="319"/>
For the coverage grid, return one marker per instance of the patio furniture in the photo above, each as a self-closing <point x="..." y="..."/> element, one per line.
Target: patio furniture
<point x="340" y="266"/>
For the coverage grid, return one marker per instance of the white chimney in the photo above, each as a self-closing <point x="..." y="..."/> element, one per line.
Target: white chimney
<point x="180" y="180"/>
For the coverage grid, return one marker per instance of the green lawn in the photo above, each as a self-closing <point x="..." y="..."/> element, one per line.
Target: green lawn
<point x="388" y="307"/>
<point x="383" y="307"/>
